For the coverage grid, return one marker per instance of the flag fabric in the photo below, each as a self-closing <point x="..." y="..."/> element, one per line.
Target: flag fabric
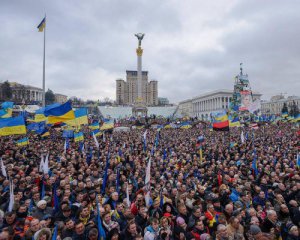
<point x="145" y="140"/>
<point x="81" y="118"/>
<point x="298" y="159"/>
<point x="6" y="111"/>
<point x="68" y="134"/>
<point x="3" y="169"/>
<point x="46" y="164"/>
<point x="254" y="166"/>
<point x="23" y="142"/>
<point x="11" y="196"/>
<point x="147" y="182"/>
<point x="40" y="118"/>
<point x="105" y="173"/>
<point x="242" y="137"/>
<point x="42" y="25"/>
<point x="101" y="232"/>
<point x="108" y="124"/>
<point x="37" y="127"/>
<point x="61" y="113"/>
<point x="233" y="144"/>
<point x="66" y="145"/>
<point x="45" y="134"/>
<point x="220" y="121"/>
<point x="54" y="236"/>
<point x="284" y="114"/>
<point x="78" y="136"/>
<point x="234" y="122"/>
<point x="11" y="126"/>
<point x="185" y="125"/>
<point x="201" y="154"/>
<point x="96" y="141"/>
<point x="94" y="126"/>
<point x="96" y="132"/>
<point x="254" y="126"/>
<point x="43" y="190"/>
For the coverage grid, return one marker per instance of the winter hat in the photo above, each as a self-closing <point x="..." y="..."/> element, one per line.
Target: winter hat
<point x="254" y="229"/>
<point x="41" y="202"/>
<point x="180" y="221"/>
<point x="204" y="236"/>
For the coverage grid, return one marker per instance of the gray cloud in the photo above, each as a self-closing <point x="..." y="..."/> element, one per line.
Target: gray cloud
<point x="190" y="47"/>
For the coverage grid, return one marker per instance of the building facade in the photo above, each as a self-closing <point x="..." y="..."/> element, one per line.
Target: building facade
<point x="163" y="101"/>
<point x="127" y="91"/>
<point x="25" y="94"/>
<point x="60" y="98"/>
<point x="275" y="105"/>
<point x="203" y="105"/>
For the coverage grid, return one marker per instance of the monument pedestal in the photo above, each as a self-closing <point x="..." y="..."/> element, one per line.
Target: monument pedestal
<point x="139" y="109"/>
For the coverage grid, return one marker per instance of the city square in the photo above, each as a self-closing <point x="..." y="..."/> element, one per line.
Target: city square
<point x="149" y="120"/>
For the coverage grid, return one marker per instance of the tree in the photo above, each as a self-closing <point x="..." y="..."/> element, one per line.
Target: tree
<point x="6" y="91"/>
<point x="294" y="110"/>
<point x="49" y="97"/>
<point x="284" y="108"/>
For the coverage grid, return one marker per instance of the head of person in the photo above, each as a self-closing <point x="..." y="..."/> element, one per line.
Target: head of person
<point x="272" y="215"/>
<point x="79" y="228"/>
<point x="69" y="223"/>
<point x="234" y="222"/>
<point x="154" y="223"/>
<point x="115" y="196"/>
<point x="34" y="225"/>
<point x="293" y="230"/>
<point x="93" y="234"/>
<point x="222" y="231"/>
<point x="42" y="204"/>
<point x="182" y="209"/>
<point x="199" y="225"/>
<point x="10" y="217"/>
<point x="132" y="228"/>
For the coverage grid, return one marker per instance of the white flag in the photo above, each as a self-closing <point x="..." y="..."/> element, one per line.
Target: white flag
<point x="127" y="196"/>
<point x="242" y="137"/>
<point x="96" y="141"/>
<point x="147" y="198"/>
<point x="11" y="196"/>
<point x="46" y="165"/>
<point x="147" y="179"/>
<point x="65" y="146"/>
<point x="41" y="164"/>
<point x="104" y="140"/>
<point x="145" y="135"/>
<point x="3" y="170"/>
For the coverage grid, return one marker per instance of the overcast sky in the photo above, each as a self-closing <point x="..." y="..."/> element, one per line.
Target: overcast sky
<point x="190" y="47"/>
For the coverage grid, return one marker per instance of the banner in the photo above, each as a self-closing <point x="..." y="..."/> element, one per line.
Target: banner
<point x="246" y="100"/>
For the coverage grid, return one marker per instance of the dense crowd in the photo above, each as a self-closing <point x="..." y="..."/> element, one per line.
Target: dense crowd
<point x="235" y="189"/>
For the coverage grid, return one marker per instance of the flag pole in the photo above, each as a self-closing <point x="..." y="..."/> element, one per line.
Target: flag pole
<point x="44" y="95"/>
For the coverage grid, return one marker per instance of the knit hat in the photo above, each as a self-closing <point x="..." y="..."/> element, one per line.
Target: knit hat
<point x="41" y="202"/>
<point x="254" y="229"/>
<point x="180" y="221"/>
<point x="204" y="236"/>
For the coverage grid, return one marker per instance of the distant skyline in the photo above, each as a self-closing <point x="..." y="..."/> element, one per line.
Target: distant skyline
<point x="189" y="47"/>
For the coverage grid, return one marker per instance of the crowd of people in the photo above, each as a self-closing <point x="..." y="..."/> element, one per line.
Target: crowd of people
<point x="203" y="185"/>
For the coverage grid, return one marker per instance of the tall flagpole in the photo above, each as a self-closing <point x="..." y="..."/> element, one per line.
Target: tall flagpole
<point x="44" y="99"/>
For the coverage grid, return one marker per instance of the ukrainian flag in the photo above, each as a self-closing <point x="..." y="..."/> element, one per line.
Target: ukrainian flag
<point x="42" y="25"/>
<point x="234" y="122"/>
<point x="61" y="113"/>
<point x="10" y="126"/>
<point x="284" y="114"/>
<point x="94" y="126"/>
<point x="80" y="118"/>
<point x="108" y="124"/>
<point x="40" y="118"/>
<point x="96" y="132"/>
<point x="185" y="125"/>
<point x="78" y="137"/>
<point x="45" y="134"/>
<point x="23" y="142"/>
<point x="6" y="113"/>
<point x="297" y="118"/>
<point x="6" y="105"/>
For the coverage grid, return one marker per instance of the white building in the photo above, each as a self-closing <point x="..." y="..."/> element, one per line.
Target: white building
<point x="203" y="105"/>
<point x="275" y="105"/>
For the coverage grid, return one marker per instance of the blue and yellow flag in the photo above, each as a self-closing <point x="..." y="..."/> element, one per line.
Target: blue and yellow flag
<point x="78" y="137"/>
<point x="80" y="118"/>
<point x="6" y="111"/>
<point x="96" y="132"/>
<point x="108" y="124"/>
<point x="23" y="142"/>
<point x="46" y="134"/>
<point x="94" y="126"/>
<point x="61" y="113"/>
<point x="6" y="105"/>
<point x="284" y="114"/>
<point x="234" y="122"/>
<point x="10" y="126"/>
<point x="42" y="25"/>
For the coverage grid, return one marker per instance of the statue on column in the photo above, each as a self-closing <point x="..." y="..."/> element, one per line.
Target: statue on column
<point x="140" y="37"/>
